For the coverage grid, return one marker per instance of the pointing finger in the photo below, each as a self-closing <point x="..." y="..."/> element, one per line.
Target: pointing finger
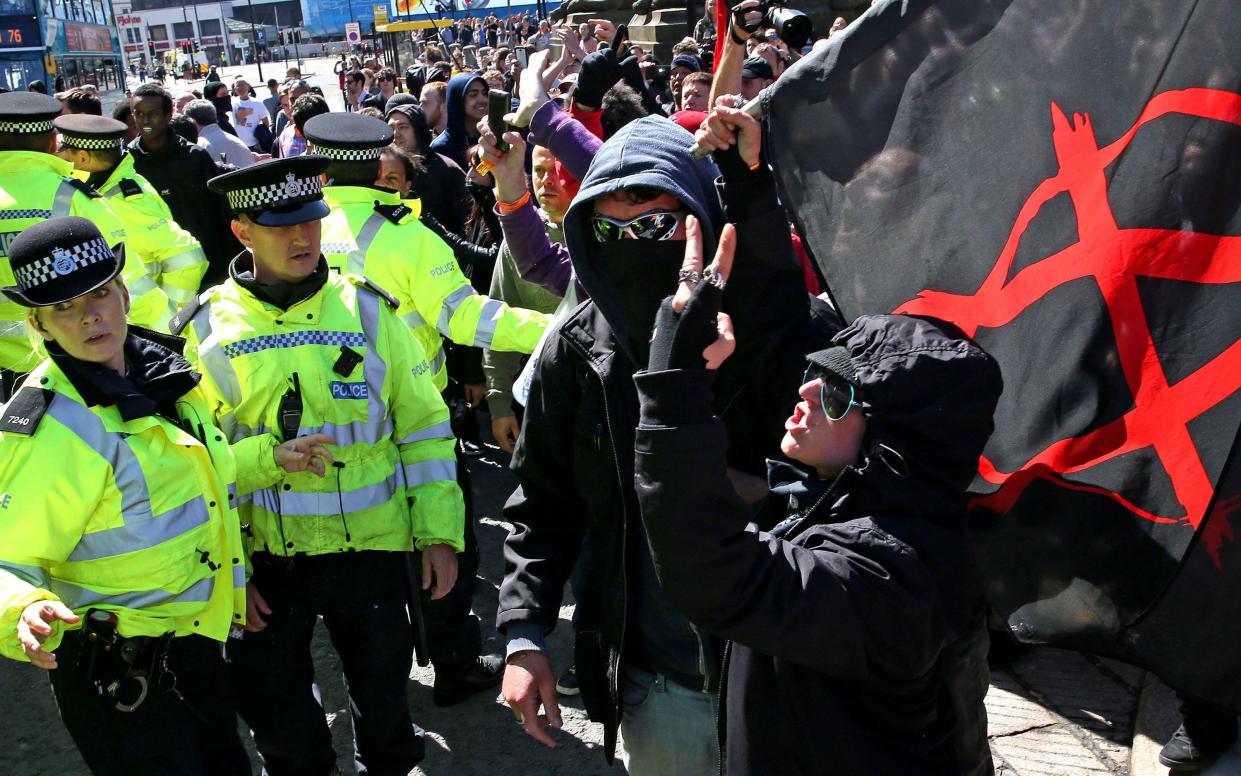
<point x="724" y="253"/>
<point x="691" y="267"/>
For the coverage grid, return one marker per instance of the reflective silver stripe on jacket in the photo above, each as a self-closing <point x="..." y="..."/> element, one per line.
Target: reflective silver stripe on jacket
<point x="449" y="309"/>
<point x="438" y="431"/>
<point x="293" y="503"/>
<point x="64" y="199"/>
<point x="366" y="236"/>
<point x="413" y="319"/>
<point x="183" y="260"/>
<point x="493" y="310"/>
<point x="140" y="534"/>
<point x="215" y="361"/>
<point x="140" y="529"/>
<point x="31" y="575"/>
<point x="239" y="576"/>
<point x="76" y="597"/>
<point x="424" y="472"/>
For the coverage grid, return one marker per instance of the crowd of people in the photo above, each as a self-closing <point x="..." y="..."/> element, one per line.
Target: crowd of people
<point x="259" y="336"/>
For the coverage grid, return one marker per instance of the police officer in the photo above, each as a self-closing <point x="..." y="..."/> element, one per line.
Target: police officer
<point x="95" y="146"/>
<point x="34" y="186"/>
<point x="373" y="233"/>
<point x="121" y="562"/>
<point x="287" y="349"/>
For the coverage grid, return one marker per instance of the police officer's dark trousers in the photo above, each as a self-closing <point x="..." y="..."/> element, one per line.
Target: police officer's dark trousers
<point x="454" y="636"/>
<point x="186" y="726"/>
<point x="361" y="597"/>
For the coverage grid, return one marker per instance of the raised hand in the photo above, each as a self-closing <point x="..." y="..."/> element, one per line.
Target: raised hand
<point x="690" y="330"/>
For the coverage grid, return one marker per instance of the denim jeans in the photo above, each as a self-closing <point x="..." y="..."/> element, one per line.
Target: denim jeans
<point x="669" y="730"/>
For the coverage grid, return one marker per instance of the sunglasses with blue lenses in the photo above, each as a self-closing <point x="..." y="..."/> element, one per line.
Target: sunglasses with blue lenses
<point x="655" y="225"/>
<point x="836" y="395"/>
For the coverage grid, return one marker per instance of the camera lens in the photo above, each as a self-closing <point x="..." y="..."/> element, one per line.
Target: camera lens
<point x="793" y="27"/>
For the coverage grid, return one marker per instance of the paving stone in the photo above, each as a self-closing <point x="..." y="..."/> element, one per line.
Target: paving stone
<point x="1049" y="751"/>
<point x="1009" y="711"/>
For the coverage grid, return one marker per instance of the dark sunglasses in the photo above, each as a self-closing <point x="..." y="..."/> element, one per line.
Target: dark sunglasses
<point x="655" y="225"/>
<point x="836" y="395"/>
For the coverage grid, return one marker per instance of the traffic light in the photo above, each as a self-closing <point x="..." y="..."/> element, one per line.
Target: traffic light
<point x="196" y="46"/>
<point x="151" y="49"/>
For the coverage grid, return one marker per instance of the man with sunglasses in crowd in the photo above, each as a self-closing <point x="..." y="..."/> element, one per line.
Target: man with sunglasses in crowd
<point x="859" y="616"/>
<point x="643" y="204"/>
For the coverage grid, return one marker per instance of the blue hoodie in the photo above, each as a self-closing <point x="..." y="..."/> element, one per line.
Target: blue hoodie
<point x="455" y="140"/>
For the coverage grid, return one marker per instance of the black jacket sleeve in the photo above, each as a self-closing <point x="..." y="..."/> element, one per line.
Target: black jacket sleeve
<point x="770" y="308"/>
<point x="852" y="603"/>
<point x="547" y="515"/>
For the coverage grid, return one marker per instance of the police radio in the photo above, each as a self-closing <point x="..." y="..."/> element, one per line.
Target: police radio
<point x="289" y="412"/>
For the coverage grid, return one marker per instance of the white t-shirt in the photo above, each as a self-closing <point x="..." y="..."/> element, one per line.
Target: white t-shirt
<point x="247" y="114"/>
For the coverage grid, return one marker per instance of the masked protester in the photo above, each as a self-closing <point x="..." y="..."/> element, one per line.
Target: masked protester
<point x="641" y="666"/>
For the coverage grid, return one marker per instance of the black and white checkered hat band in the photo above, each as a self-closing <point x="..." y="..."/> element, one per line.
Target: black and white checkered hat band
<point x="350" y="154"/>
<point x="26" y="127"/>
<point x="62" y="262"/>
<point x="91" y="143"/>
<point x="290" y="191"/>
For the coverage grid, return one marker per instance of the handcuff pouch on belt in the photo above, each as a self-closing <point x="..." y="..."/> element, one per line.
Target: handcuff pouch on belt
<point x="122" y="669"/>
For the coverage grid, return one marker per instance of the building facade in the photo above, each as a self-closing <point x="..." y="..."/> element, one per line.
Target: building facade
<point x="216" y="32"/>
<point x="64" y="43"/>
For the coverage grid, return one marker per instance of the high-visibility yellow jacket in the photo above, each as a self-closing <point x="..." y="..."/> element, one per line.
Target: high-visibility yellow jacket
<point x="33" y="188"/>
<point x="134" y="517"/>
<point x="364" y="380"/>
<point x="173" y="256"/>
<point x="369" y="233"/>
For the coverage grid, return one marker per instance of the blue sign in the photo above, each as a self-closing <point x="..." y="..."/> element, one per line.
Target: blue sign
<point x="262" y="36"/>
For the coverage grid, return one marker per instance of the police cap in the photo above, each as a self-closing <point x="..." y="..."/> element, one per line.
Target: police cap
<point x="27" y="113"/>
<point x="90" y="133"/>
<point x="60" y="259"/>
<point x="279" y="192"/>
<point x="348" y="137"/>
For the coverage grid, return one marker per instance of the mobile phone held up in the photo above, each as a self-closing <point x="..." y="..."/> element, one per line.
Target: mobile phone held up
<point x="499" y="104"/>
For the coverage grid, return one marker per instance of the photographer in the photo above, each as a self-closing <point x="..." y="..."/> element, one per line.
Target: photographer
<point x="857" y="623"/>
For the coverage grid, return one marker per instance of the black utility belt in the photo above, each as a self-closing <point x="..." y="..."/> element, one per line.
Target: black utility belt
<point x="123" y="669"/>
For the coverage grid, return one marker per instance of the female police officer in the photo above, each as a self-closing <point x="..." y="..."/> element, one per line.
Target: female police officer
<point x="121" y="564"/>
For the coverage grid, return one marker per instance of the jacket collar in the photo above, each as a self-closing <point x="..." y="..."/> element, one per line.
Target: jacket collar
<point x="371" y="195"/>
<point x="20" y="161"/>
<point x="281" y="296"/>
<point x="156" y="376"/>
<point x="123" y="169"/>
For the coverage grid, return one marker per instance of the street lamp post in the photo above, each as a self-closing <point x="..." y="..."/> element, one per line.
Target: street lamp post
<point x="254" y="40"/>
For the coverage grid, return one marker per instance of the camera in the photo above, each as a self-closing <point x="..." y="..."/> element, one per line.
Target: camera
<point x="794" y="27"/>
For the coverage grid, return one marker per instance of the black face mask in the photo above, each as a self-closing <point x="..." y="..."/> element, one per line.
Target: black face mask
<point x="640" y="273"/>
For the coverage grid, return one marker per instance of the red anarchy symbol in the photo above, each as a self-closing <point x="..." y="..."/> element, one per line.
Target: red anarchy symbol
<point x="1114" y="258"/>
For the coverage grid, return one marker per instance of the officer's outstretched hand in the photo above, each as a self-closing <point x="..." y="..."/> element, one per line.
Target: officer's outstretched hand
<point x="305" y="454"/>
<point x="439" y="560"/>
<point x="35" y="625"/>
<point x="529" y="681"/>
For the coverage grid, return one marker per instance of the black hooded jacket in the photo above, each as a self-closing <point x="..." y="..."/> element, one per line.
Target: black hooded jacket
<point x="454" y="141"/>
<point x="858" y="623"/>
<point x="574" y="459"/>
<point x="179" y="172"/>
